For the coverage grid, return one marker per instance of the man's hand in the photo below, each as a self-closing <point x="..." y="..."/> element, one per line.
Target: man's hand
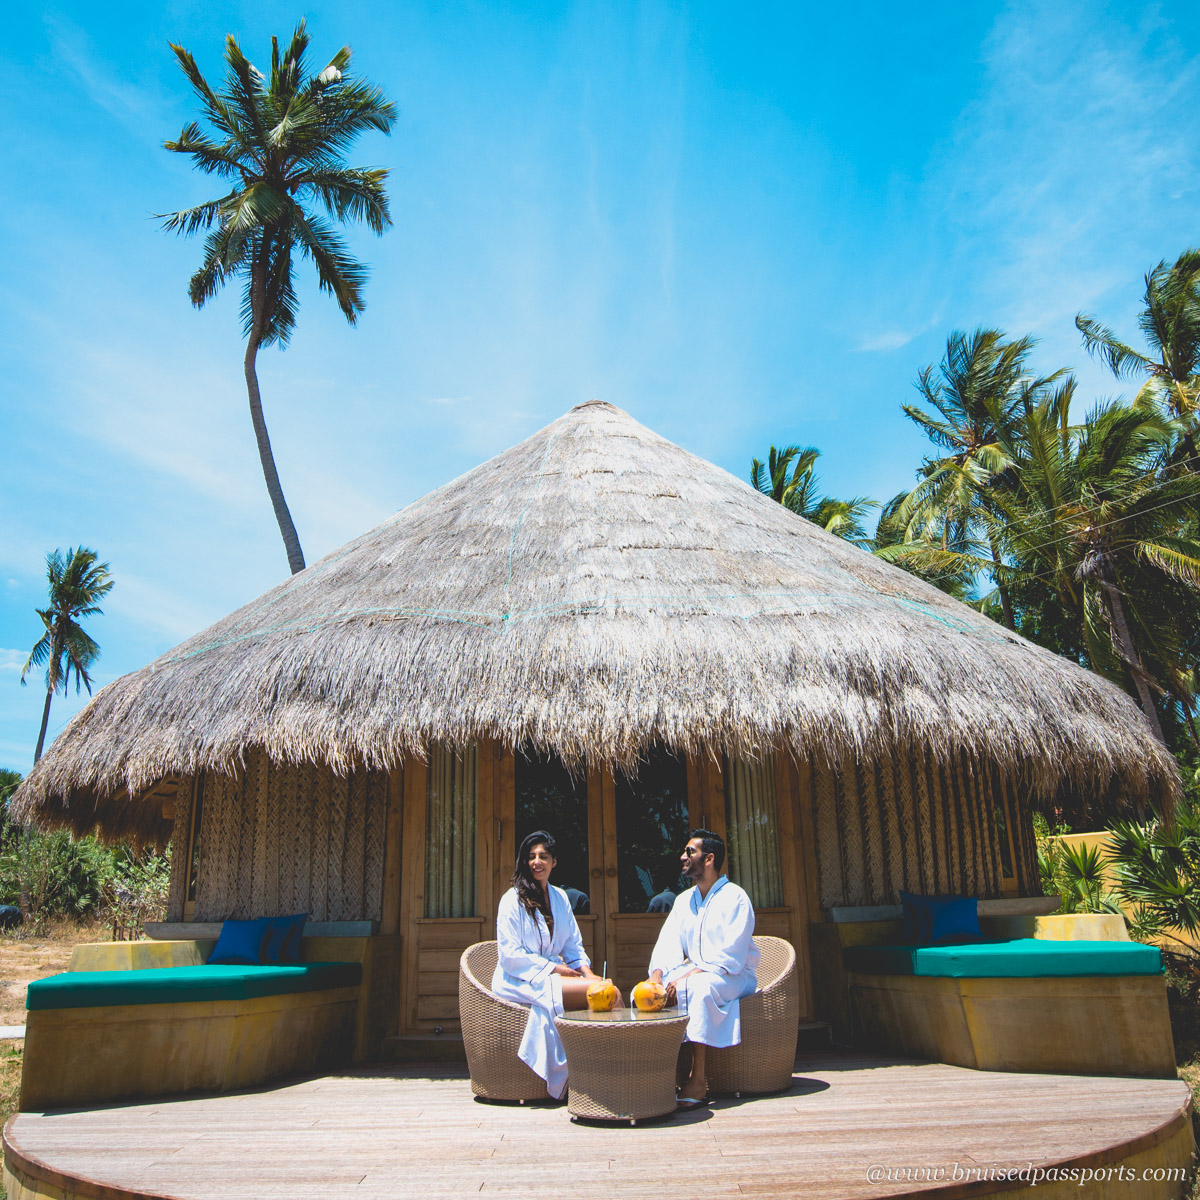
<point x="656" y="977"/>
<point x="567" y="972"/>
<point x="672" y="994"/>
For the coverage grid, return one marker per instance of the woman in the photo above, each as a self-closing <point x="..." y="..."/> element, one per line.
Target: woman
<point x="541" y="958"/>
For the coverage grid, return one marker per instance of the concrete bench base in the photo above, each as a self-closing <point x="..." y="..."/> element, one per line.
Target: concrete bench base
<point x="1087" y="1025"/>
<point x="84" y="1056"/>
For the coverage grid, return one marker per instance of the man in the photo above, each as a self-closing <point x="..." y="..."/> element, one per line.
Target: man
<point x="706" y="956"/>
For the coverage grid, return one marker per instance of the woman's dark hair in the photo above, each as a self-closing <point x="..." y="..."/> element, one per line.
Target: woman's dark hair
<point x="529" y="891"/>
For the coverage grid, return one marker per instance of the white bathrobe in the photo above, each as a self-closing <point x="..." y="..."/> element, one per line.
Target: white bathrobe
<point x="716" y="934"/>
<point x="525" y="975"/>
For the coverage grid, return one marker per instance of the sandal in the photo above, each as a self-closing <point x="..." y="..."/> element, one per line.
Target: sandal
<point x="687" y="1104"/>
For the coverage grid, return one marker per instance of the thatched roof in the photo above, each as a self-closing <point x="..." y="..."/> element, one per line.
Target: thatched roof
<point x="592" y="591"/>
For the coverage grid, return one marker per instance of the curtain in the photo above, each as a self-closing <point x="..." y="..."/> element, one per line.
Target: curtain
<point x="752" y="830"/>
<point x="450" y="832"/>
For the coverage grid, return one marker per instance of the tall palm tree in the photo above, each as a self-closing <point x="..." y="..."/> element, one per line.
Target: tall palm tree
<point x="281" y="140"/>
<point x="1093" y="536"/>
<point x="789" y="478"/>
<point x="973" y="396"/>
<point x="76" y="585"/>
<point x="1170" y="323"/>
<point x="1095" y="510"/>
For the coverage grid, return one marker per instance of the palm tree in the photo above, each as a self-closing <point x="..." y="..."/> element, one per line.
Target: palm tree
<point x="77" y="584"/>
<point x="1092" y="534"/>
<point x="798" y="492"/>
<point x="281" y="141"/>
<point x="1170" y="323"/>
<point x="1095" y="511"/>
<point x="975" y="394"/>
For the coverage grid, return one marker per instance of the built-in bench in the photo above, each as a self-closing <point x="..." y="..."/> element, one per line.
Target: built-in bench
<point x="1021" y="958"/>
<point x="1072" y="995"/>
<point x="182" y="985"/>
<point x="168" y="1023"/>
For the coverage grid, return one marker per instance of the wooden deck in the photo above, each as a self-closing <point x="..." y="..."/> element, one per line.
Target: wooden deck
<point x="415" y="1131"/>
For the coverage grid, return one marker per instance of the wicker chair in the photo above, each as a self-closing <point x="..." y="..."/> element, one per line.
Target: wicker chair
<point x="763" y="1060"/>
<point x="492" y="1029"/>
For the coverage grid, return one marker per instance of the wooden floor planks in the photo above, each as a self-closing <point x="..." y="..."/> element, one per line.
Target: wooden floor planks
<point x="412" y="1130"/>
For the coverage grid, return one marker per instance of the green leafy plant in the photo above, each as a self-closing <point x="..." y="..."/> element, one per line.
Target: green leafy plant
<point x="1075" y="873"/>
<point x="75" y="877"/>
<point x="1158" y="875"/>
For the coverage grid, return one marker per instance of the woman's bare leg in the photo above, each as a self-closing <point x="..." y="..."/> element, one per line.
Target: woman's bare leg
<point x="574" y="992"/>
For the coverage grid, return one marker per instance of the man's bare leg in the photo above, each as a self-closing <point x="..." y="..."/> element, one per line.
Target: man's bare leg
<point x="696" y="1087"/>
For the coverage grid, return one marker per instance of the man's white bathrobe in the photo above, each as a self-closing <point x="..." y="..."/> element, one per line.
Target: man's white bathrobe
<point x="716" y="934"/>
<point x="525" y="974"/>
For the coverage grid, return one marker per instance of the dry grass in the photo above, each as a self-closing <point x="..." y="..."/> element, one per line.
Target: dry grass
<point x="593" y="591"/>
<point x="10" y="1083"/>
<point x="26" y="956"/>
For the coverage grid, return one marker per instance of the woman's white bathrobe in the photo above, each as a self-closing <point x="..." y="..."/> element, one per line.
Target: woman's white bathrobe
<point x="525" y="975"/>
<point x="716" y="934"/>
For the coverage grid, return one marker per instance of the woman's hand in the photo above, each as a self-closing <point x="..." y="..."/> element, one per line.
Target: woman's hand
<point x="565" y="971"/>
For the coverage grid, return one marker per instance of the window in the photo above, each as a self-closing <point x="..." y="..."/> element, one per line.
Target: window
<point x="196" y="824"/>
<point x="652" y="830"/>
<point x="451" y="799"/>
<point x="752" y="830"/>
<point x="549" y="797"/>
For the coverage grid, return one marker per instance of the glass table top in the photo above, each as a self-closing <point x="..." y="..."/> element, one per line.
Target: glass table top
<point x="619" y="1016"/>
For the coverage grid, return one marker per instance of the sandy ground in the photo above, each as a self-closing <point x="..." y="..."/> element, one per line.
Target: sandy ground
<point x="24" y="957"/>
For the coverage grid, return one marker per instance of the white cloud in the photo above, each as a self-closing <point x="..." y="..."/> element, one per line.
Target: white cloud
<point x="891" y="340"/>
<point x="1072" y="174"/>
<point x="161" y="609"/>
<point x="13" y="660"/>
<point x="106" y="85"/>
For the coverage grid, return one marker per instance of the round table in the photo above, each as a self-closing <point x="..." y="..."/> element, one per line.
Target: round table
<point x="621" y="1063"/>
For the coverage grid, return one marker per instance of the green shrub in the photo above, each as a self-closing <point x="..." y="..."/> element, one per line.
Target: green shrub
<point x="1074" y="873"/>
<point x="79" y="877"/>
<point x="1158" y="876"/>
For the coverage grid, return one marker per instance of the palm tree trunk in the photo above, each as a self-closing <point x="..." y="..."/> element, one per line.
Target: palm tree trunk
<point x="1005" y="598"/>
<point x="291" y="541"/>
<point x="1187" y="712"/>
<point x="45" y="722"/>
<point x="1116" y="609"/>
<point x="25" y="900"/>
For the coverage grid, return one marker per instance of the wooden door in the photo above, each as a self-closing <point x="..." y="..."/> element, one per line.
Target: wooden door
<point x="601" y="847"/>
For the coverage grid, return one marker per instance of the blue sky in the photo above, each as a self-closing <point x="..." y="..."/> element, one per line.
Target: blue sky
<point x="744" y="225"/>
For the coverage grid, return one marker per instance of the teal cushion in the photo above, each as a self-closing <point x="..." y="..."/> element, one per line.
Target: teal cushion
<point x="1022" y="958"/>
<point x="180" y="985"/>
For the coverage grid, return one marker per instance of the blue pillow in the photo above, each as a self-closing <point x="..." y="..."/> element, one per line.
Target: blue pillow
<point x="240" y="942"/>
<point x="954" y="919"/>
<point x="282" y="944"/>
<point x="916" y="917"/>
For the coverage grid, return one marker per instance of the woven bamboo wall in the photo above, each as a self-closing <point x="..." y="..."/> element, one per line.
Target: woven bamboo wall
<point x="918" y="825"/>
<point x="277" y="838"/>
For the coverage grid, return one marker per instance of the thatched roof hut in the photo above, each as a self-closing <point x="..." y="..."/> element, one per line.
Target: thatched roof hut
<point x="592" y="591"/>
